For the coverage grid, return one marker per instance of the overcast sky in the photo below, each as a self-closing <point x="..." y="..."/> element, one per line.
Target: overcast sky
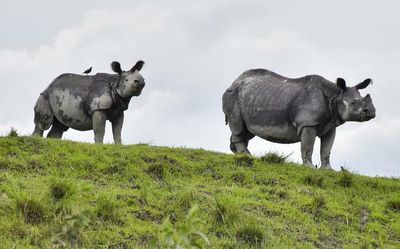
<point x="193" y="51"/>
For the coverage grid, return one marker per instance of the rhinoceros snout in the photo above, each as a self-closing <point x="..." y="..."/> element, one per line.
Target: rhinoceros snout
<point x="369" y="113"/>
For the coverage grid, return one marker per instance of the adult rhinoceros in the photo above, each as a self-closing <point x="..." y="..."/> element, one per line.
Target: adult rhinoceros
<point x="283" y="110"/>
<point x="86" y="102"/>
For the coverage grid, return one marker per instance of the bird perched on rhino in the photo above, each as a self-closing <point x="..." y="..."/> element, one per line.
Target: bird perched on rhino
<point x="88" y="71"/>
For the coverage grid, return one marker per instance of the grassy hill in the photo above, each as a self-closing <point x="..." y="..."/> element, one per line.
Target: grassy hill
<point x="62" y="194"/>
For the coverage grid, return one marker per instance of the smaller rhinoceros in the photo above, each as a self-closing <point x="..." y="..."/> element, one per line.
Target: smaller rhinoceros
<point x="283" y="110"/>
<point x="86" y="102"/>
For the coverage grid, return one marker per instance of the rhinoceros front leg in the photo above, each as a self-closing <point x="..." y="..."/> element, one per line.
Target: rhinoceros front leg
<point x="326" y="146"/>
<point x="99" y="124"/>
<point x="308" y="135"/>
<point x="117" y="128"/>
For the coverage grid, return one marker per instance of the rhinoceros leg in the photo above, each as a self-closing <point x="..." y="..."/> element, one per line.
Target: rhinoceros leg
<point x="99" y="124"/>
<point x="326" y="146"/>
<point x="117" y="128"/>
<point x="43" y="115"/>
<point x="308" y="135"/>
<point x="57" y="129"/>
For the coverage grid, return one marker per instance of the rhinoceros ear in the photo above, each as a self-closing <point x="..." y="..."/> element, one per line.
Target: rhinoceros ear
<point x="341" y="83"/>
<point x="116" y="67"/>
<point x="364" y="84"/>
<point x="138" y="66"/>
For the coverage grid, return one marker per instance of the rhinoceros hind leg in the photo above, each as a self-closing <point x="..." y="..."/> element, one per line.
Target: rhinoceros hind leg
<point x="43" y="115"/>
<point x="37" y="131"/>
<point x="57" y="129"/>
<point x="240" y="142"/>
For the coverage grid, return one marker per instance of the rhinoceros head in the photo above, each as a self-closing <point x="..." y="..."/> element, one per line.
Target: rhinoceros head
<point x="130" y="83"/>
<point x="351" y="105"/>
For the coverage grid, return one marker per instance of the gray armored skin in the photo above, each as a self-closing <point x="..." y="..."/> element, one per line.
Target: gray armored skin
<point x="86" y="102"/>
<point x="283" y="110"/>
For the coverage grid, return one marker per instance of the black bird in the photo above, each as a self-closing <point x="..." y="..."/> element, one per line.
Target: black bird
<point x="88" y="71"/>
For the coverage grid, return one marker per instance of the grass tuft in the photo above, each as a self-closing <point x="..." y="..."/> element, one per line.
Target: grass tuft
<point x="314" y="180"/>
<point x="394" y="205"/>
<point x="226" y="212"/>
<point x="274" y="158"/>
<point x="106" y="208"/>
<point x="251" y="235"/>
<point x="317" y="204"/>
<point x="239" y="177"/>
<point x="60" y="190"/>
<point x="156" y="171"/>
<point x="33" y="210"/>
<point x="244" y="160"/>
<point x="345" y="179"/>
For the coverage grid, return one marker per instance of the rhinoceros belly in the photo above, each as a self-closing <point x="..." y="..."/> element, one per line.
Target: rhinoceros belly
<point x="283" y="133"/>
<point x="69" y="108"/>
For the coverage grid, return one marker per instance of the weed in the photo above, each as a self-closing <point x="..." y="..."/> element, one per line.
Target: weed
<point x="33" y="210"/>
<point x="251" y="235"/>
<point x="188" y="235"/>
<point x="244" y="160"/>
<point x="70" y="231"/>
<point x="12" y="133"/>
<point x="274" y="158"/>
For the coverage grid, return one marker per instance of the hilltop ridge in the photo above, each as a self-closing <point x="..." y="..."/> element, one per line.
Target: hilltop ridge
<point x="63" y="194"/>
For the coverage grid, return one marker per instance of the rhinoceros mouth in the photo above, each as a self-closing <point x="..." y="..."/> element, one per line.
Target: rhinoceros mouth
<point x="367" y="117"/>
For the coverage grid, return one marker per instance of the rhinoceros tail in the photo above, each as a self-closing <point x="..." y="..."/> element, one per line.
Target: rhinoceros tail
<point x="226" y="119"/>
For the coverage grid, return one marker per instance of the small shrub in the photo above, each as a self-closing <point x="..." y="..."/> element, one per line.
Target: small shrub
<point x="346" y="179"/>
<point x="244" y="160"/>
<point x="33" y="210"/>
<point x="60" y="190"/>
<point x="394" y="205"/>
<point x="188" y="235"/>
<point x="12" y="133"/>
<point x="314" y="180"/>
<point x="70" y="230"/>
<point x="274" y="158"/>
<point x="250" y="235"/>
<point x="156" y="170"/>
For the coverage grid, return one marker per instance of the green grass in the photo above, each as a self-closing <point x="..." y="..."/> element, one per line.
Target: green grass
<point x="62" y="194"/>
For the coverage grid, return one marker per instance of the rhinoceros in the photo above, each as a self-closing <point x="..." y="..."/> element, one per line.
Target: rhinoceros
<point x="285" y="110"/>
<point x="86" y="102"/>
